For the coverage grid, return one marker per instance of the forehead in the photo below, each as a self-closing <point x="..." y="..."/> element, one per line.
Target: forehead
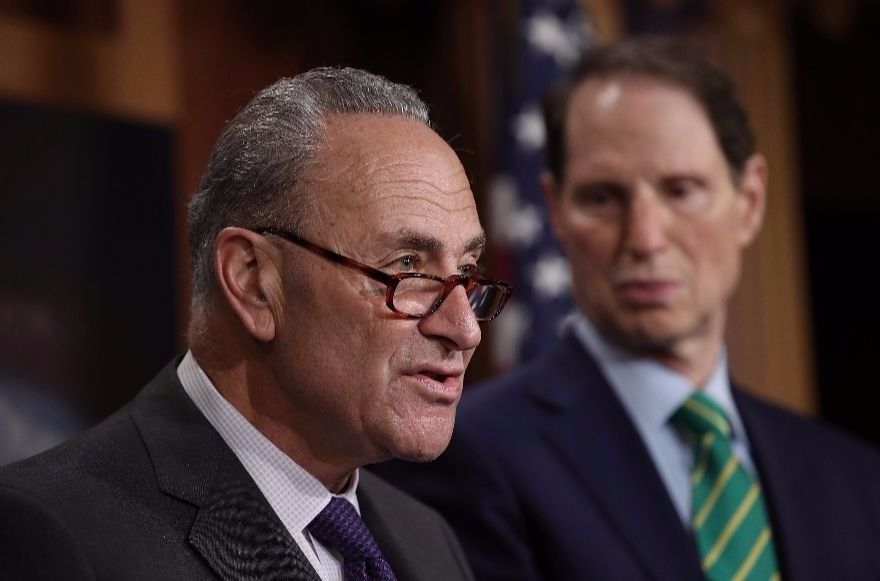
<point x="381" y="177"/>
<point x="632" y="119"/>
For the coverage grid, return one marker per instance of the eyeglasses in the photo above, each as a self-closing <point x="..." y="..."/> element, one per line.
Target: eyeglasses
<point x="414" y="295"/>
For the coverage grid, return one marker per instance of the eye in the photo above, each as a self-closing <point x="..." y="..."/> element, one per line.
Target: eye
<point x="595" y="196"/>
<point x="406" y="263"/>
<point x="687" y="194"/>
<point x="470" y="269"/>
<point x="600" y="199"/>
<point x="680" y="188"/>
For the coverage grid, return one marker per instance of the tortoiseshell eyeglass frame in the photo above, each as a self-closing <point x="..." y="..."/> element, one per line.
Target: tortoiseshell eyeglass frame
<point x="468" y="281"/>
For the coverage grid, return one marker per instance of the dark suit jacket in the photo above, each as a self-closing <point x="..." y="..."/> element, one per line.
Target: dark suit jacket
<point x="155" y="493"/>
<point x="547" y="478"/>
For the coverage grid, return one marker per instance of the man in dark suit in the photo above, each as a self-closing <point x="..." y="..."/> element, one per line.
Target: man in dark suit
<point x="335" y="308"/>
<point x="625" y="452"/>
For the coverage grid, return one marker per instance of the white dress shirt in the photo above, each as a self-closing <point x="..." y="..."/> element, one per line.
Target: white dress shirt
<point x="651" y="392"/>
<point x="295" y="495"/>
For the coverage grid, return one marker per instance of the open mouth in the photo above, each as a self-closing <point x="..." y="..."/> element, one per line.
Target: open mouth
<point x="441" y="386"/>
<point x="439" y="377"/>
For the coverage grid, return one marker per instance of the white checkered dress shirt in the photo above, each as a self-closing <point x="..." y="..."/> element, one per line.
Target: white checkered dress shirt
<point x="295" y="495"/>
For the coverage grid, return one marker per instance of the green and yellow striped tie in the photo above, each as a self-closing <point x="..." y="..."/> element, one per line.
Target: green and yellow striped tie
<point x="729" y="519"/>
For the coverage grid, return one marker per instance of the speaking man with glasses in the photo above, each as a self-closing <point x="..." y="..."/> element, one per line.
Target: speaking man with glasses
<point x="336" y="305"/>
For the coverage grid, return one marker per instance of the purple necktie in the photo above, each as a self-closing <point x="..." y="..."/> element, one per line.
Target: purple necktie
<point x="340" y="527"/>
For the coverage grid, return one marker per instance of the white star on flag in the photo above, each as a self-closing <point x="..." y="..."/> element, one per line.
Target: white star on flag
<point x="547" y="33"/>
<point x="528" y="127"/>
<point x="517" y="224"/>
<point x="503" y="201"/>
<point x="551" y="276"/>
<point x="524" y="226"/>
<point x="508" y="334"/>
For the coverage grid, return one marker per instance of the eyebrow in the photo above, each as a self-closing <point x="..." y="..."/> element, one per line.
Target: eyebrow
<point x="421" y="242"/>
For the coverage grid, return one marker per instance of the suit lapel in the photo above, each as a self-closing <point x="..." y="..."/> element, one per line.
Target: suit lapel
<point x="775" y="461"/>
<point x="240" y="536"/>
<point x="396" y="546"/>
<point x="235" y="529"/>
<point x="407" y="536"/>
<point x="617" y="471"/>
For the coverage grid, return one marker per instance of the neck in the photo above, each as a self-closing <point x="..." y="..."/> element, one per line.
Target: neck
<point x="244" y="377"/>
<point x="250" y="391"/>
<point x="695" y="360"/>
<point x="693" y="355"/>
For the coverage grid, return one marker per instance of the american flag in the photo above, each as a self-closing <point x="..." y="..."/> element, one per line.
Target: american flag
<point x="552" y="34"/>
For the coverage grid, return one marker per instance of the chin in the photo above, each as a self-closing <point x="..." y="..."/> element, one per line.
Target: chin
<point x="421" y="456"/>
<point x="422" y="444"/>
<point x="424" y="450"/>
<point x="659" y="333"/>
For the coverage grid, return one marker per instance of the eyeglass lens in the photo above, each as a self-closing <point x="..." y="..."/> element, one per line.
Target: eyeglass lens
<point x="417" y="296"/>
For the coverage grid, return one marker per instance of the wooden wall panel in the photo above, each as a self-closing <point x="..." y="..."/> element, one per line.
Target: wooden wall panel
<point x="129" y="70"/>
<point x="224" y="61"/>
<point x="769" y="331"/>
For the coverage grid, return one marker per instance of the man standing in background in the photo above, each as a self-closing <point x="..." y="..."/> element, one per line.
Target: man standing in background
<point x="336" y="305"/>
<point x="626" y="452"/>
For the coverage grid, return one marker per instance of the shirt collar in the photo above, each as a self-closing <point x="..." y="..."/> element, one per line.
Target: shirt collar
<point x="277" y="475"/>
<point x="628" y="374"/>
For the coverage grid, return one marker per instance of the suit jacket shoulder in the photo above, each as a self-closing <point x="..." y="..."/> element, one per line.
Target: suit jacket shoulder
<point x="152" y="492"/>
<point x="823" y="492"/>
<point x="95" y="504"/>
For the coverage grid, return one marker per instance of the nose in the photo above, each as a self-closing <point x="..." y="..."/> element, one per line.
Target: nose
<point x="646" y="226"/>
<point x="453" y="323"/>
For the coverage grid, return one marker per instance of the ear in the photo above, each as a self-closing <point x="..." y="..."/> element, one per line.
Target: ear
<point x="753" y="197"/>
<point x="552" y="190"/>
<point x="245" y="268"/>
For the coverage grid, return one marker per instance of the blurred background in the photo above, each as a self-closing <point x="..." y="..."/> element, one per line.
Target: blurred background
<point x="109" y="110"/>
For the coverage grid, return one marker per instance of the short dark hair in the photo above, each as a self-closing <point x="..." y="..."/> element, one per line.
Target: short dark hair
<point x="673" y="59"/>
<point x="253" y="174"/>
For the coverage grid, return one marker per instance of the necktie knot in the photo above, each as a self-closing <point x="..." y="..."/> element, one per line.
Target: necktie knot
<point x="699" y="415"/>
<point x="341" y="528"/>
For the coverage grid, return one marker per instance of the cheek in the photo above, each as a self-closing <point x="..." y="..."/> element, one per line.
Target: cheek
<point x="587" y="237"/>
<point x="591" y="252"/>
<point x="345" y="350"/>
<point x="716" y="256"/>
<point x="383" y="351"/>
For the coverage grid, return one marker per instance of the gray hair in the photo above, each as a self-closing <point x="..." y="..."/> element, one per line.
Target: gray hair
<point x="262" y="155"/>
